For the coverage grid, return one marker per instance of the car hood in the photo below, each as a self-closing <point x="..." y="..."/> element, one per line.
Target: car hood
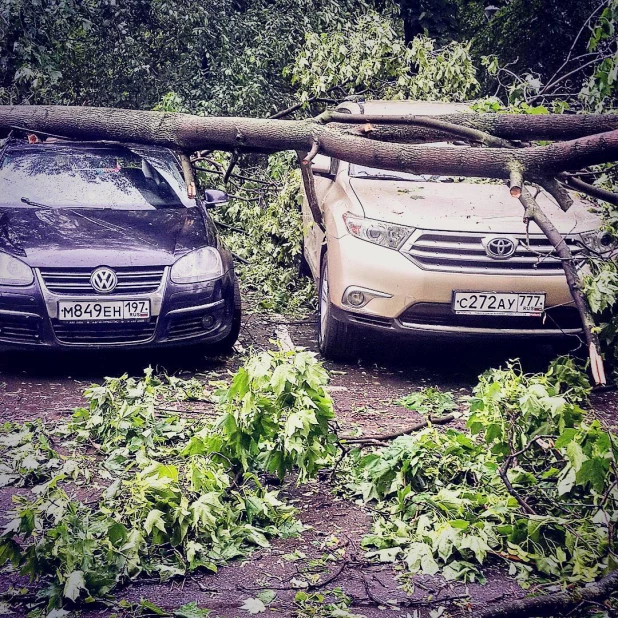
<point x="48" y="237"/>
<point x="461" y="206"/>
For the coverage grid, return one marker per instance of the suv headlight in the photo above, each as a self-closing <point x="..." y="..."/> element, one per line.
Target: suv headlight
<point x="14" y="271"/>
<point x="599" y="242"/>
<point x="201" y="265"/>
<point x="380" y="233"/>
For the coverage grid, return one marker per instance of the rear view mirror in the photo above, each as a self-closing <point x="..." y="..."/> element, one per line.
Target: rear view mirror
<point x="213" y="197"/>
<point x="321" y="165"/>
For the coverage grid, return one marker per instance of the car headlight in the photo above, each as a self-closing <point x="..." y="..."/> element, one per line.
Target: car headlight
<point x="200" y="265"/>
<point x="599" y="242"/>
<point x="14" y="271"/>
<point x="380" y="233"/>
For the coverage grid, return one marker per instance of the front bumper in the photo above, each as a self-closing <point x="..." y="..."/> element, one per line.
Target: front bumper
<point x="418" y="301"/>
<point x="180" y="315"/>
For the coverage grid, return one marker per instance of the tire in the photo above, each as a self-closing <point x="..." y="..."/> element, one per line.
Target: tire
<point x="227" y="343"/>
<point x="336" y="340"/>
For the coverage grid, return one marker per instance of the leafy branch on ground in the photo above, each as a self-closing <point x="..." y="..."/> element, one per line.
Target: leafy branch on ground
<point x="171" y="498"/>
<point x="530" y="483"/>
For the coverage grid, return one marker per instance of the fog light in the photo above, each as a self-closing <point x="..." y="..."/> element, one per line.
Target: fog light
<point x="356" y="298"/>
<point x="207" y="321"/>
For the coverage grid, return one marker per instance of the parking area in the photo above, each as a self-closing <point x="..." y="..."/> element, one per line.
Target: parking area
<point x="50" y="386"/>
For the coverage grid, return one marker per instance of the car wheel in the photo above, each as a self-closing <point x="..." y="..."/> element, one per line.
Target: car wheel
<point x="226" y="344"/>
<point x="336" y="340"/>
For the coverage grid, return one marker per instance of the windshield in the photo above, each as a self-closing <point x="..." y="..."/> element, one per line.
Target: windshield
<point x="361" y="171"/>
<point x="112" y="177"/>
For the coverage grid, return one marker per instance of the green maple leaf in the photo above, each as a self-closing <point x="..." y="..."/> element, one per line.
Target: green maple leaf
<point x="593" y="471"/>
<point x="154" y="520"/>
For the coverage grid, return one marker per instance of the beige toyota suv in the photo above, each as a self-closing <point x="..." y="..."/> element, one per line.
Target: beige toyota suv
<point x="425" y="255"/>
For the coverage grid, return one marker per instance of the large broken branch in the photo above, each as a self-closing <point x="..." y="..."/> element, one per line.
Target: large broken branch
<point x="593" y="139"/>
<point x="439" y="127"/>
<point x="533" y="212"/>
<point x="579" y="185"/>
<point x="190" y="133"/>
<point x="558" y="604"/>
<point x="507" y="126"/>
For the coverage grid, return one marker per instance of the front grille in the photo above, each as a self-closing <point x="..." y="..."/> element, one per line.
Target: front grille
<point x="20" y="329"/>
<point x="76" y="281"/>
<point x="464" y="252"/>
<point x="441" y="314"/>
<point x="105" y="333"/>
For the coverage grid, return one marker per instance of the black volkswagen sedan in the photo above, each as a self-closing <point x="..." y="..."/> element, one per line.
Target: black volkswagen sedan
<point x="100" y="246"/>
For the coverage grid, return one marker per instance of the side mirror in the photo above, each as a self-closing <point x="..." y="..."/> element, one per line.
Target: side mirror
<point x="213" y="197"/>
<point x="321" y="165"/>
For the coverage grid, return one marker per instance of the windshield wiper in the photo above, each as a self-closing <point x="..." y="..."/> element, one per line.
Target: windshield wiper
<point x="384" y="176"/>
<point x="28" y="201"/>
<point x="371" y="175"/>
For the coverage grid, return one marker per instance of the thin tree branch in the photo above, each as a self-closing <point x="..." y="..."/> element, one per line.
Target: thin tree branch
<point x="575" y="40"/>
<point x="602" y="194"/>
<point x="533" y="212"/>
<point x="187" y="172"/>
<point x="474" y="135"/>
<point x="293" y="108"/>
<point x="432" y="420"/>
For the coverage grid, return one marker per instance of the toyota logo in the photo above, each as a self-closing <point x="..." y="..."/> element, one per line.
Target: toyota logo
<point x="103" y="280"/>
<point x="500" y="247"/>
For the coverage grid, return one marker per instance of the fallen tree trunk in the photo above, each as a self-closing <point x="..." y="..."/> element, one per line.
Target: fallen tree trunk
<point x="558" y="604"/>
<point x="191" y="133"/>
<point x="594" y="140"/>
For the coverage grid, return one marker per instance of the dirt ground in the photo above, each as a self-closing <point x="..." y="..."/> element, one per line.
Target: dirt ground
<point x="49" y="386"/>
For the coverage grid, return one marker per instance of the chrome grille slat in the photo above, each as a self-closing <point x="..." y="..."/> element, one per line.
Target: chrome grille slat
<point x="464" y="252"/>
<point x="527" y="259"/>
<point x="76" y="281"/>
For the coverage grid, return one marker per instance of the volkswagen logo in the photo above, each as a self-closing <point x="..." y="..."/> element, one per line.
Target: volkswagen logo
<point x="103" y="280"/>
<point x="500" y="247"/>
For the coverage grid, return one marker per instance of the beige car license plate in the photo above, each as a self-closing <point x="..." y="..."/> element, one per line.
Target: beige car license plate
<point x="499" y="303"/>
<point x="103" y="310"/>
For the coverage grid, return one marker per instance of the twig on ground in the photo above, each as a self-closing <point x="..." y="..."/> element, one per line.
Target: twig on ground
<point x="433" y="420"/>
